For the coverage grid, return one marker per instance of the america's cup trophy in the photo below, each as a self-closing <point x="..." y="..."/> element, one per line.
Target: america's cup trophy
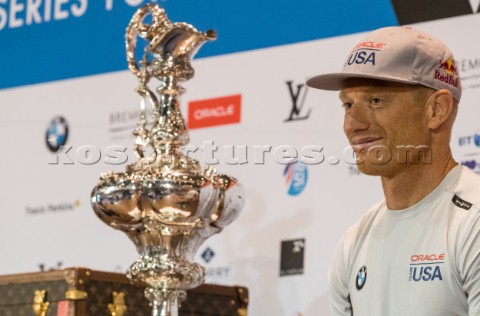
<point x="166" y="204"/>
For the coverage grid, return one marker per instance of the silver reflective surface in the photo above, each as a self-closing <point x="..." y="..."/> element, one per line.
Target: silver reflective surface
<point x="165" y="202"/>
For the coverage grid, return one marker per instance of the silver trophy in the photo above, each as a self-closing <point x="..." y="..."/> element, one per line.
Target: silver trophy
<point x="166" y="204"/>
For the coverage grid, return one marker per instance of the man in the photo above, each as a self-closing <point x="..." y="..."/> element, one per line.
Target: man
<point x="417" y="252"/>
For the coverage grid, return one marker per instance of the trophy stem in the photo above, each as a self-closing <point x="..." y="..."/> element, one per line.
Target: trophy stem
<point x="164" y="302"/>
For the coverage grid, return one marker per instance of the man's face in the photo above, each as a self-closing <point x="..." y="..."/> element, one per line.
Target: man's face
<point x="381" y="118"/>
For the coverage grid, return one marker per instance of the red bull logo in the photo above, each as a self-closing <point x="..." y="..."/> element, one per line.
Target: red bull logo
<point x="449" y="67"/>
<point x="447" y="72"/>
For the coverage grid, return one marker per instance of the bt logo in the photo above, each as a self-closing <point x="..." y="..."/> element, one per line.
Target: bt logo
<point x="470" y="140"/>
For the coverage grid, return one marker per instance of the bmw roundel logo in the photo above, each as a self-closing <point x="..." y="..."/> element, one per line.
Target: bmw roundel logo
<point x="57" y="133"/>
<point x="361" y="278"/>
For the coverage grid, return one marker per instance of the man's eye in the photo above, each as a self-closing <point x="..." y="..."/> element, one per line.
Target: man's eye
<point x="347" y="105"/>
<point x="376" y="100"/>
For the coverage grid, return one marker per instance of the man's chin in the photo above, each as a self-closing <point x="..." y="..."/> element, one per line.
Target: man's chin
<point x="370" y="169"/>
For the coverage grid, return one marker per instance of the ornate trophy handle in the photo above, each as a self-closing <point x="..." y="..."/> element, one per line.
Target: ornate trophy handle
<point x="174" y="44"/>
<point x="141" y="133"/>
<point x="136" y="27"/>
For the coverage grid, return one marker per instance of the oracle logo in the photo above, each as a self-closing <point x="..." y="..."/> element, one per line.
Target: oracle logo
<point x="213" y="112"/>
<point x="219" y="111"/>
<point x="372" y="45"/>
<point x="428" y="257"/>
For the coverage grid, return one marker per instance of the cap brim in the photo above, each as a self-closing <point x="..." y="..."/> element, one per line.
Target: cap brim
<point x="335" y="81"/>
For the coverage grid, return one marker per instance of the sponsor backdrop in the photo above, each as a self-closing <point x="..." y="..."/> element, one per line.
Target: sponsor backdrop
<point x="68" y="107"/>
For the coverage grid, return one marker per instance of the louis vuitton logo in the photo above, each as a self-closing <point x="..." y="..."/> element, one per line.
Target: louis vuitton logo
<point x="298" y="95"/>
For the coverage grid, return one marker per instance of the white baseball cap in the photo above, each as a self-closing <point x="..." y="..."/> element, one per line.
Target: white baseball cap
<point x="398" y="54"/>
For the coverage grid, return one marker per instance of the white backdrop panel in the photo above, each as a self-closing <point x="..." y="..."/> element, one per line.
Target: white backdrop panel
<point x="247" y="252"/>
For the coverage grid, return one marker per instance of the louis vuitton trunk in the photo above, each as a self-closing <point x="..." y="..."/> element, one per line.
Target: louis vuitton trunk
<point x="84" y="292"/>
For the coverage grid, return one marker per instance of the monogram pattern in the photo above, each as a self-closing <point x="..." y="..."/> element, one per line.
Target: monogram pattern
<point x="16" y="299"/>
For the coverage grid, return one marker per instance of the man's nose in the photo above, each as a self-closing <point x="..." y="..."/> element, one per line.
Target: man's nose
<point x="357" y="118"/>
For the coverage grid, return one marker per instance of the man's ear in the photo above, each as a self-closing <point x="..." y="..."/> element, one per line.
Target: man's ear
<point x="440" y="108"/>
